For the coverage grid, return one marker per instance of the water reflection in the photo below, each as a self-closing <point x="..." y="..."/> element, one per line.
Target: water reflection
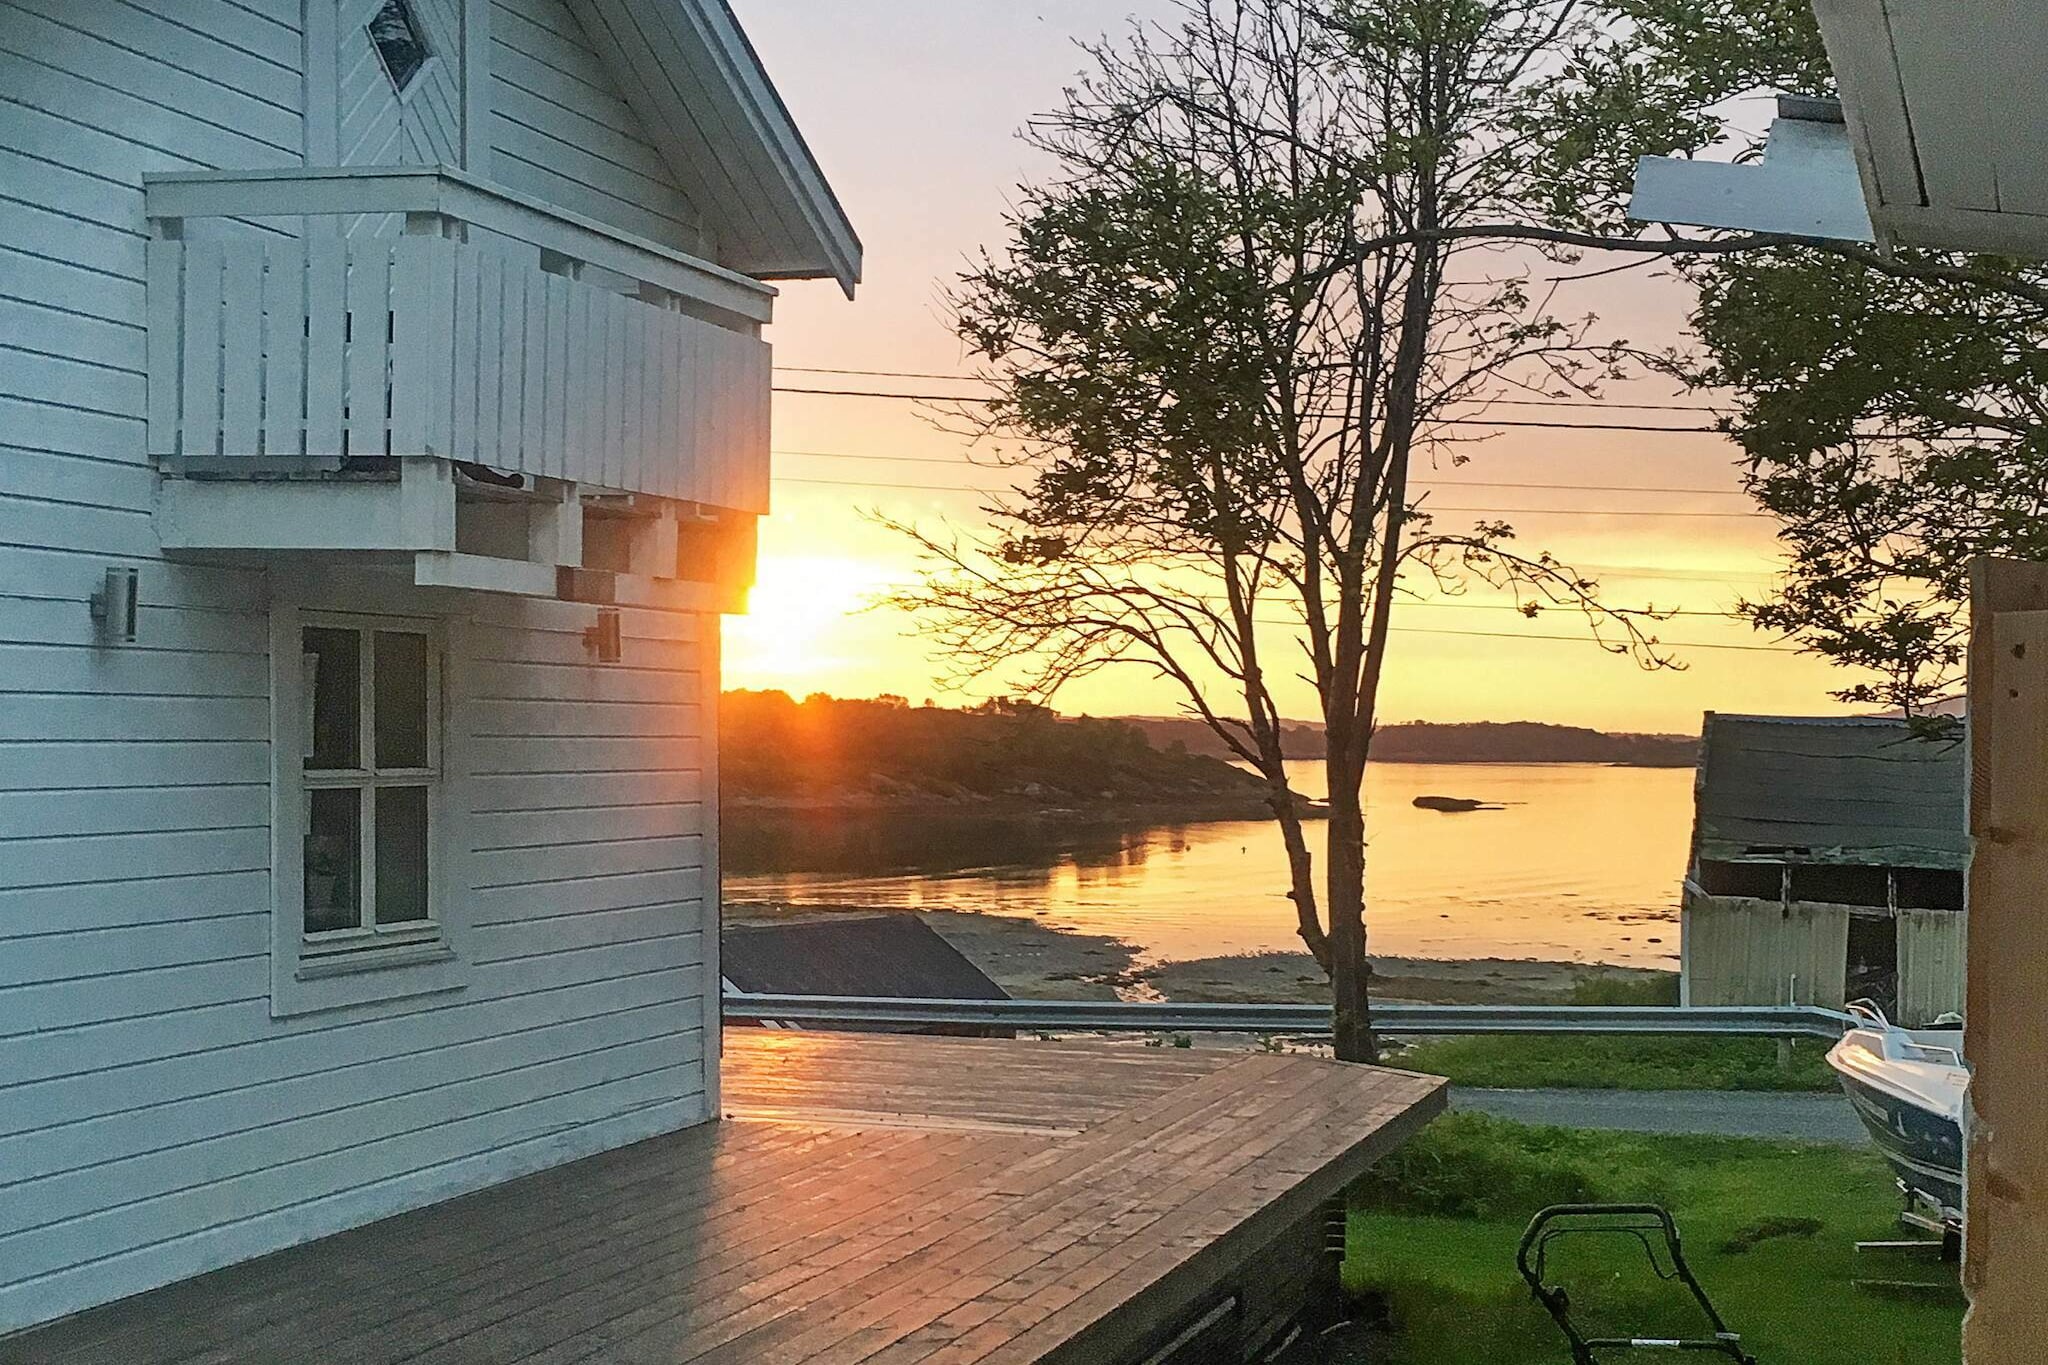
<point x="1582" y="865"/>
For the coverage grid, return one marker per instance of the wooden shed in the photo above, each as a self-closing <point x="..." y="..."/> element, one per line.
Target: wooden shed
<point x="1828" y="858"/>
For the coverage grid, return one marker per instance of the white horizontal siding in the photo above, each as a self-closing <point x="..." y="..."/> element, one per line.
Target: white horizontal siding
<point x="155" y="1120"/>
<point x="561" y="130"/>
<point x="160" y="1108"/>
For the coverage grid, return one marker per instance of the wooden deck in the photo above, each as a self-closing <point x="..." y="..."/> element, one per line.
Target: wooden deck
<point x="870" y="1199"/>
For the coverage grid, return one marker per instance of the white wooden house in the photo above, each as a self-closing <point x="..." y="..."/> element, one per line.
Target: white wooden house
<point x="383" y="420"/>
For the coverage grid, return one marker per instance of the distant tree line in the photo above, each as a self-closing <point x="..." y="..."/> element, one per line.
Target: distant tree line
<point x="1519" y="741"/>
<point x="830" y="750"/>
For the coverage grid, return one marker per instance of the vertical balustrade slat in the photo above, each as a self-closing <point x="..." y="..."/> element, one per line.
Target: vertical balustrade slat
<point x="463" y="381"/>
<point x="762" y="430"/>
<point x="740" y="441"/>
<point x="595" y="350"/>
<point x="576" y="384"/>
<point x="556" y="438"/>
<point x="284" y="352"/>
<point x="655" y="458"/>
<point x="511" y="343"/>
<point x="601" y="380"/>
<point x="759" y="396"/>
<point x="201" y="440"/>
<point x="670" y="482"/>
<point x="166" y="266"/>
<point x="534" y="427"/>
<point x="435" y="311"/>
<point x="634" y="459"/>
<point x="241" y="366"/>
<point x="369" y="348"/>
<point x="614" y="390"/>
<point x="690" y="447"/>
<point x="718" y="432"/>
<point x="415" y="317"/>
<point x="703" y="387"/>
<point x="489" y="357"/>
<point x="326" y="345"/>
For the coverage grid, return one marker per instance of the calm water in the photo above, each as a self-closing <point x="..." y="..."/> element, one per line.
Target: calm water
<point x="1582" y="865"/>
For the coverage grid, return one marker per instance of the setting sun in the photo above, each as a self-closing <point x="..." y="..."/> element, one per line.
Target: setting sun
<point x="794" y="632"/>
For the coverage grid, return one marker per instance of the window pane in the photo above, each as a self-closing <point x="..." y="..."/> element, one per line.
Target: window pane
<point x="401" y="854"/>
<point x="397" y="37"/>
<point x="333" y="859"/>
<point x="400" y="717"/>
<point x="331" y="661"/>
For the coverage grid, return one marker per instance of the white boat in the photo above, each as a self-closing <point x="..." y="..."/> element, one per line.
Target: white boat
<point x="1907" y="1086"/>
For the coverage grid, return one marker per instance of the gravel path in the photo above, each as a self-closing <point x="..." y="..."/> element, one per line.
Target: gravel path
<point x="1812" y="1117"/>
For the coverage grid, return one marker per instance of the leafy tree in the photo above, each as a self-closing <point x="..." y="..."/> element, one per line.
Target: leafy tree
<point x="1889" y="407"/>
<point x="1262" y="285"/>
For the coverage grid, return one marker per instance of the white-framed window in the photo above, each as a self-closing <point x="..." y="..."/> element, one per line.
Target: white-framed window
<point x="361" y="837"/>
<point x="370" y="765"/>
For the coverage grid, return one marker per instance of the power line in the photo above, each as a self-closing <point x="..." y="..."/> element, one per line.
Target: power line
<point x="958" y="462"/>
<point x="1580" y="639"/>
<point x="920" y="488"/>
<point x="1956" y="438"/>
<point x="1561" y="606"/>
<point x="1567" y="426"/>
<point x="1514" y="402"/>
<point x="1721" y="576"/>
<point x="1556" y="639"/>
<point x="1424" y="507"/>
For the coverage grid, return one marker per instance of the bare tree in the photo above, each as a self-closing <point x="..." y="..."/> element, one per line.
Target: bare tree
<point x="1269" y="273"/>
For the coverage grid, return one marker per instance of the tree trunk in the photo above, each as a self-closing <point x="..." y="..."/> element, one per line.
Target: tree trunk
<point x="1350" y="973"/>
<point x="1301" y="886"/>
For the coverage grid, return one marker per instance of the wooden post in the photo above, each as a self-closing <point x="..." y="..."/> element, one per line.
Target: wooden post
<point x="2006" y="1236"/>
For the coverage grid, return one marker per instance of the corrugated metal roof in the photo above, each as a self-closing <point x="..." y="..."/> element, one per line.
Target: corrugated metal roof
<point x="1829" y="790"/>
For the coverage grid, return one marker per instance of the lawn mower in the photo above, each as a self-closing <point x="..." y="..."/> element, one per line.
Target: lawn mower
<point x="1648" y="1225"/>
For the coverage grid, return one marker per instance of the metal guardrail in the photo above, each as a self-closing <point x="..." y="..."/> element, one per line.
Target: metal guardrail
<point x="1124" y="1016"/>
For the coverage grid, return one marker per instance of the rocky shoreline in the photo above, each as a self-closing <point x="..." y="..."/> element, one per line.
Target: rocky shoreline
<point x="1033" y="959"/>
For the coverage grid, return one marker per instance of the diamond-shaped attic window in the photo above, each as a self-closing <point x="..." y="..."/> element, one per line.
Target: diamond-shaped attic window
<point x="400" y="44"/>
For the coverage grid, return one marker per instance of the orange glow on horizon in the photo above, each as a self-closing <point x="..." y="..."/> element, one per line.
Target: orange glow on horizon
<point x="927" y="193"/>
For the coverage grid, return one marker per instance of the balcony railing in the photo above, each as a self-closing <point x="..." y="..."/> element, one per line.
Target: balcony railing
<point x="492" y="329"/>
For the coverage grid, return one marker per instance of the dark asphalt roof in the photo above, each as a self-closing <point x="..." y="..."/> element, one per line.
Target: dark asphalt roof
<point x="1847" y="790"/>
<point x="887" y="954"/>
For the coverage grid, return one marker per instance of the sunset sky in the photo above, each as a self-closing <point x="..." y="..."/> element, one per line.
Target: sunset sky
<point x="912" y="107"/>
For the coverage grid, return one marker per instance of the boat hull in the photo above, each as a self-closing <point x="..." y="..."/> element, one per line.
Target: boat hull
<point x="1925" y="1149"/>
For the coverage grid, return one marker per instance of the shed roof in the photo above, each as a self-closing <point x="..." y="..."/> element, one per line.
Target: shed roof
<point x="886" y="955"/>
<point x="1829" y="790"/>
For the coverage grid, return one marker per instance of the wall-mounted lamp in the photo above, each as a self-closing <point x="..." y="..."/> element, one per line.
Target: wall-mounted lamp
<point x="602" y="639"/>
<point x="113" y="606"/>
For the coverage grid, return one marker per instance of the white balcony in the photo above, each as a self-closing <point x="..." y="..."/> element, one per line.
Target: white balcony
<point x="409" y="319"/>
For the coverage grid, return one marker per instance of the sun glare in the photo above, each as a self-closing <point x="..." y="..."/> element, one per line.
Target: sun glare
<point x="792" y="634"/>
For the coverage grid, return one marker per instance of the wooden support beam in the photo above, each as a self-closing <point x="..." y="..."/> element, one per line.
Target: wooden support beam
<point x="2006" y="1034"/>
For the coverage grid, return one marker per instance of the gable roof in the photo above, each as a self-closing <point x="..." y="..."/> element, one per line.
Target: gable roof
<point x="1829" y="790"/>
<point x="686" y="68"/>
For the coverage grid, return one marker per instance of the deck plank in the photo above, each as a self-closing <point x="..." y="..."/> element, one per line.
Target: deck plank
<point x="871" y="1200"/>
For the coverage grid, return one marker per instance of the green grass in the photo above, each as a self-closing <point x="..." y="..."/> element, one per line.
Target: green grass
<point x="1608" y="989"/>
<point x="1620" y="1063"/>
<point x="1770" y="1229"/>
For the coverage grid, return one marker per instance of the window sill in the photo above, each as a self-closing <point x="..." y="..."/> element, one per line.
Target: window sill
<point x="305" y="982"/>
<point x="352" y="962"/>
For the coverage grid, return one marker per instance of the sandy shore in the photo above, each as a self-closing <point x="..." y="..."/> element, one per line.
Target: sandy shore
<point x="1037" y="960"/>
